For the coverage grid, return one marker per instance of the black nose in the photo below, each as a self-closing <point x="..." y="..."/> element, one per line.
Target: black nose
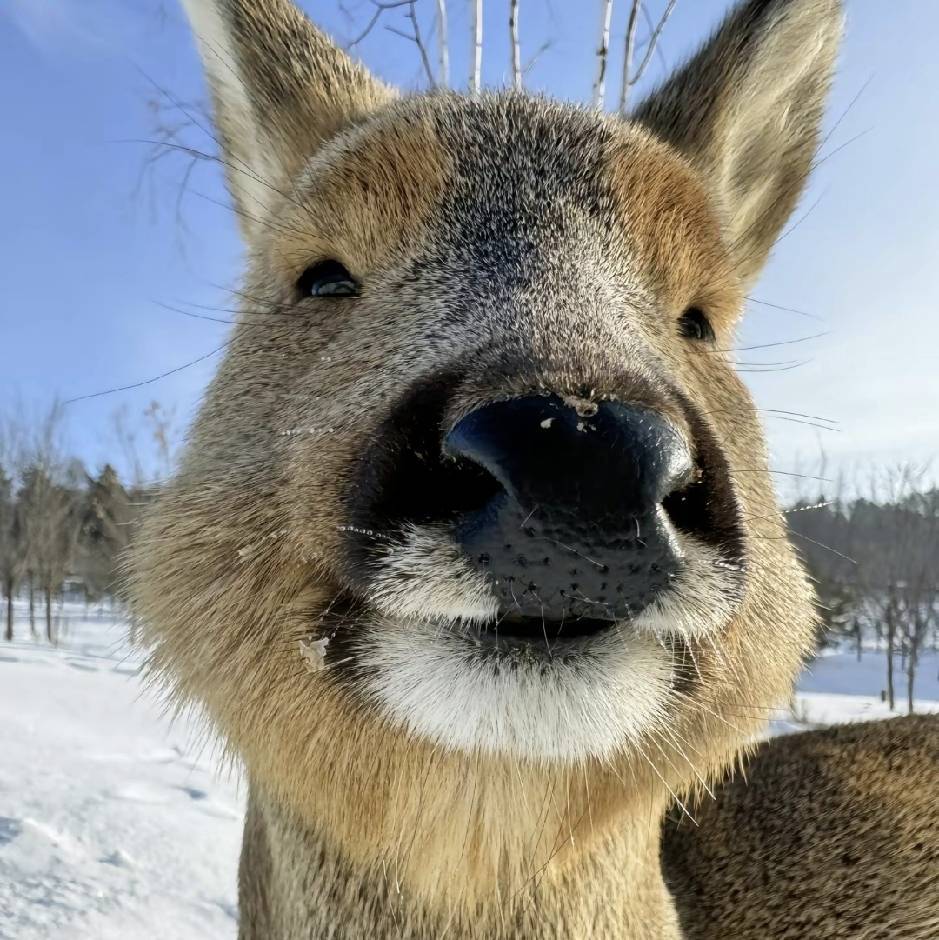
<point x="577" y="529"/>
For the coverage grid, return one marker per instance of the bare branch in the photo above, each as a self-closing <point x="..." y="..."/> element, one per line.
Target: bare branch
<point x="650" y="27"/>
<point x="628" y="54"/>
<point x="603" y="53"/>
<point x="381" y="7"/>
<point x="443" y="48"/>
<point x="630" y="77"/>
<point x="516" y="46"/>
<point x="536" y="55"/>
<point x="653" y="42"/>
<point x="476" y="60"/>
<point x="419" y="42"/>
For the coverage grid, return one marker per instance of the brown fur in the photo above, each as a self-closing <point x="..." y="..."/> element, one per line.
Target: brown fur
<point x="357" y="827"/>
<point x="772" y="858"/>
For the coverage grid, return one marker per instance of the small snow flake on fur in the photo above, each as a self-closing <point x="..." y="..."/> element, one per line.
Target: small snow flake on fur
<point x="582" y="406"/>
<point x="247" y="551"/>
<point x="314" y="653"/>
<point x="296" y="432"/>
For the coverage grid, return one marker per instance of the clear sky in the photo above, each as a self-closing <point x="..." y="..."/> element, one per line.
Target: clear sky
<point x="91" y="247"/>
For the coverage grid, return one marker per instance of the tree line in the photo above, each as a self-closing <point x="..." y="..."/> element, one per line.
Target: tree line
<point x="874" y="558"/>
<point x="60" y="521"/>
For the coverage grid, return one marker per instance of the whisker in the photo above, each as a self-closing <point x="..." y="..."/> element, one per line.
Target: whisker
<point x="774" y="306"/>
<point x="150" y="381"/>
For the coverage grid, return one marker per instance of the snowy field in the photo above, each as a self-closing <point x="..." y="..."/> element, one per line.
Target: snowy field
<point x="113" y="824"/>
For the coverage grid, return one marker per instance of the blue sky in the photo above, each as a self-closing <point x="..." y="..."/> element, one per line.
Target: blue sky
<point x="91" y="246"/>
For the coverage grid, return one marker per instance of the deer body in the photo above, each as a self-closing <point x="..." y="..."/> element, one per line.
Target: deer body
<point x="473" y="559"/>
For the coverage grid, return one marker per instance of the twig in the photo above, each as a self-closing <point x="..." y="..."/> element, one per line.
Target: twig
<point x="419" y="42"/>
<point x="632" y="78"/>
<point x="603" y="53"/>
<point x="653" y="42"/>
<point x="628" y="54"/>
<point x="536" y="55"/>
<point x="381" y="6"/>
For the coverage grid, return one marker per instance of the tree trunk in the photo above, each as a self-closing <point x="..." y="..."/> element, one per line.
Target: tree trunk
<point x="50" y="634"/>
<point x="910" y="677"/>
<point x="8" y="635"/>
<point x="32" y="609"/>
<point x="857" y="637"/>
<point x="891" y="630"/>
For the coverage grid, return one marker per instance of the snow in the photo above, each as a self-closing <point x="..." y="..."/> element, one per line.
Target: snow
<point x="836" y="688"/>
<point x="115" y="824"/>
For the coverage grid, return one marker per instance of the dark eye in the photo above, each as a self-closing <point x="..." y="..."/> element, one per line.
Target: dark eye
<point x="327" y="279"/>
<point x="695" y="325"/>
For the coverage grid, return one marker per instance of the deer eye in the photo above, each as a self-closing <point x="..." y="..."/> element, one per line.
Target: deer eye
<point x="327" y="279"/>
<point x="693" y="324"/>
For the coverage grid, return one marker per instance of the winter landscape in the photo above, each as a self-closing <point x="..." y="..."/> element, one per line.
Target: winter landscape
<point x="117" y="823"/>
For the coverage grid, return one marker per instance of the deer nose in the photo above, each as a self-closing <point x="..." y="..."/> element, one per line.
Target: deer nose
<point x="576" y="528"/>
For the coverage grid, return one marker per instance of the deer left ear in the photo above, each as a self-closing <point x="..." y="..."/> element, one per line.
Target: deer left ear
<point x="746" y="111"/>
<point x="280" y="89"/>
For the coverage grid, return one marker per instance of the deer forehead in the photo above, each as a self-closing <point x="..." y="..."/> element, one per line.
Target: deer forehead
<point x="506" y="176"/>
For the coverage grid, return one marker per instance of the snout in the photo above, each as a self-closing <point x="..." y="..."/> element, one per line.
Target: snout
<point x="539" y="516"/>
<point x="575" y="528"/>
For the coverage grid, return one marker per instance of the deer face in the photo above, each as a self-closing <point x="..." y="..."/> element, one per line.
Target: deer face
<point x="480" y="405"/>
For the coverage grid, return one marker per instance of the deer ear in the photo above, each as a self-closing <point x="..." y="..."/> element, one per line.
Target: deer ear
<point x="746" y="110"/>
<point x="280" y="88"/>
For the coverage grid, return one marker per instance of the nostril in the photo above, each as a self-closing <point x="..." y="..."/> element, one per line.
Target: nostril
<point x="470" y="487"/>
<point x="614" y="462"/>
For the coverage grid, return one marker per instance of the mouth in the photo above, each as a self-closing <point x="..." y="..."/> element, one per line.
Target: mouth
<point x="536" y="635"/>
<point x="536" y="689"/>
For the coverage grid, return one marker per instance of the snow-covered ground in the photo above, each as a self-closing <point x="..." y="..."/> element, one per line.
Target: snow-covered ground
<point x="114" y="824"/>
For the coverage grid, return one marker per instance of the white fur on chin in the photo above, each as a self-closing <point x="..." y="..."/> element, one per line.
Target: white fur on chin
<point x="432" y="677"/>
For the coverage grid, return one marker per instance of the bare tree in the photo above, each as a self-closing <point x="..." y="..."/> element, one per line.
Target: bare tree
<point x="143" y="472"/>
<point x="48" y="510"/>
<point x="631" y="27"/>
<point x="515" y="46"/>
<point x="631" y="77"/>
<point x="898" y="543"/>
<point x="476" y="59"/>
<point x="9" y="547"/>
<point x="11" y="562"/>
<point x="126" y="436"/>
<point x="919" y="590"/>
<point x="598" y="95"/>
<point x="161" y="423"/>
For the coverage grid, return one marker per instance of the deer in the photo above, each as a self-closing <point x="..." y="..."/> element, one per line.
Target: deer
<point x="473" y="559"/>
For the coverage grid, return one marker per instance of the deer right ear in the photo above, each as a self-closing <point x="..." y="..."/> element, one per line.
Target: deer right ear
<point x="280" y="88"/>
<point x="746" y="111"/>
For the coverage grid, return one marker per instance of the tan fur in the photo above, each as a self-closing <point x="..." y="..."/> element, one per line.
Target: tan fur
<point x="357" y="827"/>
<point x="668" y="216"/>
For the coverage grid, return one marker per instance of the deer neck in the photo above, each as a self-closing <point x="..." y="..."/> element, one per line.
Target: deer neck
<point x="295" y="881"/>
